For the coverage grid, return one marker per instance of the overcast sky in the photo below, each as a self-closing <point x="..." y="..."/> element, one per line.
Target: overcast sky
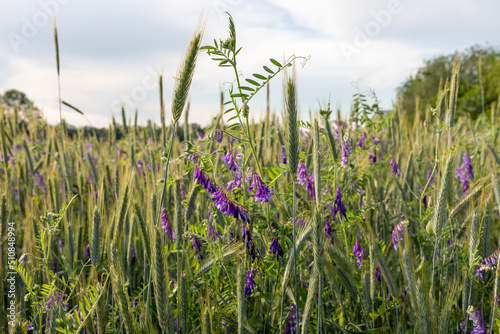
<point x="112" y="51"/>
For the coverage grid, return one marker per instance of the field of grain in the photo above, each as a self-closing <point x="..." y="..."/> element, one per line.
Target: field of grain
<point x="370" y="222"/>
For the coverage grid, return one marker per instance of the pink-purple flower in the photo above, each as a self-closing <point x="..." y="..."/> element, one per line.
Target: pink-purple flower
<point x="262" y="192"/>
<point x="477" y="321"/>
<point x="357" y="251"/>
<point x="275" y="248"/>
<point x="301" y="173"/>
<point x="397" y="233"/>
<point x="165" y="224"/>
<point x="395" y="167"/>
<point x="249" y="283"/>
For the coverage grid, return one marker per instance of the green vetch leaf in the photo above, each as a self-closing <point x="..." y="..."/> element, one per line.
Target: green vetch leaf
<point x="259" y="76"/>
<point x="253" y="82"/>
<point x="275" y="62"/>
<point x="268" y="70"/>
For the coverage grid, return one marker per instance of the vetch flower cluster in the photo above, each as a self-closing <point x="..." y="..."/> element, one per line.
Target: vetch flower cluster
<point x="262" y="192"/>
<point x="361" y="141"/>
<point x="397" y="233"/>
<point x="211" y="231"/>
<point x="196" y="246"/>
<point x="395" y="167"/>
<point x="165" y="224"/>
<point x="477" y="321"/>
<point x="249" y="283"/>
<point x="205" y="181"/>
<point x="339" y="205"/>
<point x="465" y="173"/>
<point x="249" y="243"/>
<point x="229" y="161"/>
<point x="346" y="151"/>
<point x="228" y="207"/>
<point x="283" y="155"/>
<point x="358" y="253"/>
<point x="489" y="263"/>
<point x="291" y="326"/>
<point x="275" y="248"/>
<point x="301" y="173"/>
<point x="222" y="203"/>
<point x="329" y="230"/>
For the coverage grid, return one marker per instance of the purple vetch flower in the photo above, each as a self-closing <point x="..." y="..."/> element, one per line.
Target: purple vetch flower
<point x="329" y="230"/>
<point x="236" y="181"/>
<point x="430" y="178"/>
<point x="84" y="328"/>
<point x="283" y="154"/>
<point x="250" y="244"/>
<point x="193" y="157"/>
<point x="196" y="245"/>
<point x="498" y="300"/>
<point x="357" y="251"/>
<point x="10" y="159"/>
<point x="464" y="178"/>
<point x="205" y="181"/>
<point x="488" y="263"/>
<point x="462" y="325"/>
<point x="337" y="136"/>
<point x="275" y="248"/>
<point x="377" y="274"/>
<point x="200" y="135"/>
<point x="217" y="135"/>
<point x="226" y="326"/>
<point x="30" y="326"/>
<point x="133" y="255"/>
<point x="468" y="166"/>
<point x="246" y="235"/>
<point x="229" y="160"/>
<point x="373" y="158"/>
<point x="249" y="284"/>
<point x="339" y="205"/>
<point x="16" y="197"/>
<point x="301" y="173"/>
<point x="165" y="224"/>
<point x="310" y="186"/>
<point x="465" y="173"/>
<point x="54" y="265"/>
<point x="361" y="141"/>
<point x="291" y="326"/>
<point x="397" y="233"/>
<point x="210" y="229"/>
<point x="39" y="181"/>
<point x="477" y="321"/>
<point x="87" y="252"/>
<point x="22" y="259"/>
<point x="395" y="167"/>
<point x="228" y="207"/>
<point x="375" y="140"/>
<point x="262" y="192"/>
<point x="346" y="151"/>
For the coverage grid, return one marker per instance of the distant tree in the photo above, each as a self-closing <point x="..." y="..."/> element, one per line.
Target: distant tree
<point x="434" y="74"/>
<point x="15" y="99"/>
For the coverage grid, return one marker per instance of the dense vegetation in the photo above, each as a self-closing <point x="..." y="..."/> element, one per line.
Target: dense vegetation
<point x="370" y="224"/>
<point x="479" y="89"/>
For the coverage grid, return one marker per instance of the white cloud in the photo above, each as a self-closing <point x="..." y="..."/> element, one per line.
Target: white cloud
<point x="109" y="49"/>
